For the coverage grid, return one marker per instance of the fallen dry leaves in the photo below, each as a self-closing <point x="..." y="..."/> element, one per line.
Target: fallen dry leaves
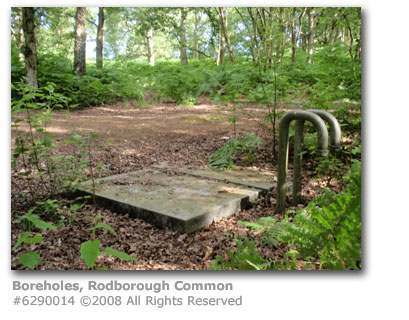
<point x="143" y="138"/>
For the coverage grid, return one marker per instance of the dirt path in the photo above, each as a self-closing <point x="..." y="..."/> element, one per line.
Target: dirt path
<point x="182" y="135"/>
<point x="125" y="124"/>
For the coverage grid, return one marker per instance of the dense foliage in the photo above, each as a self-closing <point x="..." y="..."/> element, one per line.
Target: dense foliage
<point x="335" y="80"/>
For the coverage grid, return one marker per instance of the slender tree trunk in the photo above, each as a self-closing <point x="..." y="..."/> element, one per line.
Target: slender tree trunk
<point x="80" y="41"/>
<point x="325" y="35"/>
<point x="149" y="42"/>
<point x="100" y="38"/>
<point x="301" y="32"/>
<point x="18" y="33"/>
<point x="342" y="35"/>
<point x="281" y="31"/>
<point x="58" y="33"/>
<point x="358" y="45"/>
<point x="221" y="52"/>
<point x="293" y="37"/>
<point x="312" y="15"/>
<point x="30" y="47"/>
<point x="20" y="45"/>
<point x="333" y="31"/>
<point x="335" y="36"/>
<point x="270" y="42"/>
<point x="351" y="37"/>
<point x="196" y="36"/>
<point x="183" y="49"/>
<point x="255" y="36"/>
<point x="251" y="44"/>
<point x="223" y="23"/>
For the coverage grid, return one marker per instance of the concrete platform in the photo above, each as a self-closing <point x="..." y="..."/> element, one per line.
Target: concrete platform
<point x="250" y="177"/>
<point x="179" y="201"/>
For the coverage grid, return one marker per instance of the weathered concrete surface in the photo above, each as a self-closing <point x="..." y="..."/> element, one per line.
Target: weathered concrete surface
<point x="250" y="177"/>
<point x="180" y="202"/>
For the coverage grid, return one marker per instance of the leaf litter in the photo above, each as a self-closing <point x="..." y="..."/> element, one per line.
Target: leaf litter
<point x="144" y="138"/>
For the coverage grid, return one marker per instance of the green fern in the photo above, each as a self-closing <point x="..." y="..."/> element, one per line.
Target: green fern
<point x="224" y="157"/>
<point x="244" y="257"/>
<point x="328" y="230"/>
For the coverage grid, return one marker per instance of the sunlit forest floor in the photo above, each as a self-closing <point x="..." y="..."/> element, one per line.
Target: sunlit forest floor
<point x="141" y="137"/>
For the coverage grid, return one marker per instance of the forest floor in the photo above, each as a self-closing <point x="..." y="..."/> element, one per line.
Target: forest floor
<point x="142" y="137"/>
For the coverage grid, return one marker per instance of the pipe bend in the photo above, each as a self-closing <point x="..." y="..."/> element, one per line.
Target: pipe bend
<point x="322" y="141"/>
<point x="322" y="147"/>
<point x="335" y="129"/>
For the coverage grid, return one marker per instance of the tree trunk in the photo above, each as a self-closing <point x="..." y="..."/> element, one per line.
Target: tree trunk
<point x="58" y="37"/>
<point x="358" y="45"/>
<point x="342" y="35"/>
<point x="223" y="23"/>
<point x="100" y="38"/>
<point x="281" y="32"/>
<point x="269" y="35"/>
<point x="333" y="31"/>
<point x="149" y="42"/>
<point x="80" y="41"/>
<point x="334" y="37"/>
<point x="196" y="36"/>
<point x="30" y="47"/>
<point x="251" y="40"/>
<point x="293" y="37"/>
<point x="183" y="49"/>
<point x="351" y="36"/>
<point x="312" y="26"/>
<point x="18" y="33"/>
<point x="255" y="36"/>
<point x="301" y="32"/>
<point x="221" y="51"/>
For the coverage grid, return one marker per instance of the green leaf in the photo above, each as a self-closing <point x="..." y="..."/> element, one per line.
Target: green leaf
<point x="90" y="252"/>
<point x="35" y="239"/>
<point x="23" y="237"/>
<point x="76" y="207"/>
<point x="253" y="225"/>
<point x="38" y="222"/>
<point x="323" y="222"/>
<point x="119" y="254"/>
<point x="29" y="259"/>
<point x="103" y="226"/>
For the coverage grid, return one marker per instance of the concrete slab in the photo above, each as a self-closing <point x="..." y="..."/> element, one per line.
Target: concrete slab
<point x="250" y="176"/>
<point x="181" y="202"/>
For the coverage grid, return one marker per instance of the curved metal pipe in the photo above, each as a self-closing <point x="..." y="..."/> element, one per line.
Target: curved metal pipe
<point x="297" y="165"/>
<point x="322" y="148"/>
<point x="334" y="127"/>
<point x="335" y="138"/>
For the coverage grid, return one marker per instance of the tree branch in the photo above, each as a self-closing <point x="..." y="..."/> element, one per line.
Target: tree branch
<point x="201" y="52"/>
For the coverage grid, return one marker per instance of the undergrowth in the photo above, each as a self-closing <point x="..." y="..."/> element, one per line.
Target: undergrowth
<point x="324" y="235"/>
<point x="224" y="157"/>
<point x="333" y="78"/>
<point x="49" y="176"/>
